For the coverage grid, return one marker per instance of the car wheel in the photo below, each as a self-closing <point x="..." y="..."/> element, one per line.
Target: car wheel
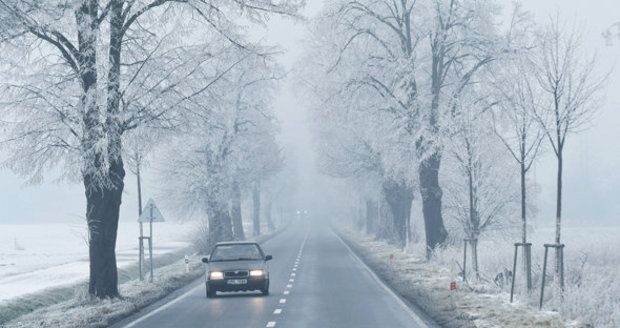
<point x="265" y="290"/>
<point x="210" y="293"/>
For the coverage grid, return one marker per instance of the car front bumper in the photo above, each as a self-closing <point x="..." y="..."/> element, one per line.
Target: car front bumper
<point x="223" y="285"/>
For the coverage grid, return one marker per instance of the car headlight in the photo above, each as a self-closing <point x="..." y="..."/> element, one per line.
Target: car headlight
<point x="216" y="275"/>
<point x="256" y="273"/>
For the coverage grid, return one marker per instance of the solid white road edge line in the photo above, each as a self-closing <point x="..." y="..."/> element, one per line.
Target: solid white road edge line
<point x="163" y="307"/>
<point x="409" y="311"/>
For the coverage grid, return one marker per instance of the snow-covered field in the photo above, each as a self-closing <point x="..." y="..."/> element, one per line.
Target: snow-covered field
<point x="79" y="311"/>
<point x="34" y="257"/>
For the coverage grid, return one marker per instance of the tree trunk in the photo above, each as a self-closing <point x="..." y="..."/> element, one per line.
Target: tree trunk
<point x="103" y="206"/>
<point x="235" y="212"/>
<point x="385" y="227"/>
<point x="558" y="220"/>
<point x="399" y="195"/>
<point x="220" y="226"/>
<point x="523" y="204"/>
<point x="103" y="189"/>
<point x="371" y="216"/>
<point x="270" y="224"/>
<point x="256" y="208"/>
<point x="474" y="256"/>
<point x="525" y="254"/>
<point x="431" y="202"/>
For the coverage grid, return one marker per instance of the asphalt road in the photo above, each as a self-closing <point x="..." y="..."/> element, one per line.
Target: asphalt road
<point x="316" y="281"/>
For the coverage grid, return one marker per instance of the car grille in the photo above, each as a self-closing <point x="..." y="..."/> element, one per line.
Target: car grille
<point x="236" y="273"/>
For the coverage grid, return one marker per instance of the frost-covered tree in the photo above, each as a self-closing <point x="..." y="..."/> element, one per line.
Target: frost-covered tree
<point x="257" y="154"/>
<point x="354" y="140"/>
<point x="569" y="87"/>
<point x="417" y="57"/>
<point x="514" y="122"/>
<point x="481" y="194"/>
<point x="220" y="146"/>
<point x="77" y="75"/>
<point x="266" y="159"/>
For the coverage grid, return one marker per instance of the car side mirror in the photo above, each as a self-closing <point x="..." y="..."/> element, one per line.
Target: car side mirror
<point x="205" y="260"/>
<point x="268" y="258"/>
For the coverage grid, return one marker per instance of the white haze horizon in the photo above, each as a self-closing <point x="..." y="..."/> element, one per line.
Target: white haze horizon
<point x="591" y="166"/>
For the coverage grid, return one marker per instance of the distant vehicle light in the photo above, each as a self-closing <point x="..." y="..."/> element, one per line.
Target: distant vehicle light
<point x="256" y="273"/>
<point x="216" y="275"/>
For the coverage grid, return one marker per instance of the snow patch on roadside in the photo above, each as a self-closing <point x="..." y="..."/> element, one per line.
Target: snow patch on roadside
<point x="81" y="311"/>
<point x="71" y="307"/>
<point x="427" y="285"/>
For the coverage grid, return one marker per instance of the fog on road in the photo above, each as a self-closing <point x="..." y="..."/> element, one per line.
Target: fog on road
<point x="316" y="281"/>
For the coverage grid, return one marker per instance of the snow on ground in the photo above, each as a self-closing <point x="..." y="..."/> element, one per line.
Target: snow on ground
<point x="484" y="304"/>
<point x="80" y="311"/>
<point x="592" y="271"/>
<point x="34" y="257"/>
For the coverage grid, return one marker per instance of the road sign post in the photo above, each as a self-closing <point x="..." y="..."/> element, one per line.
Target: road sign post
<point x="150" y="214"/>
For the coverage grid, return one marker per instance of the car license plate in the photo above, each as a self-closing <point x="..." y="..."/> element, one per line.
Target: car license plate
<point x="237" y="281"/>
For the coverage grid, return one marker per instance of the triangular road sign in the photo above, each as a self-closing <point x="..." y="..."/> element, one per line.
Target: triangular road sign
<point x="151" y="213"/>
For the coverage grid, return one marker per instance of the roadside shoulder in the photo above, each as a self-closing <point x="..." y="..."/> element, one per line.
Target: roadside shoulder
<point x="427" y="286"/>
<point x="79" y="311"/>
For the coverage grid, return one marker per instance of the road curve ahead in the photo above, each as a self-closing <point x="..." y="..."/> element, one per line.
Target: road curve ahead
<point x="316" y="281"/>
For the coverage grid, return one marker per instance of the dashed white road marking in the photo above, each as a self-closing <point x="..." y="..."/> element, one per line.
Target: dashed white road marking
<point x="271" y="324"/>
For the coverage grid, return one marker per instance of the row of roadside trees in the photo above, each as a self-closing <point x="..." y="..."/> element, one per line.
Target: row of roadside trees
<point x="82" y="79"/>
<point x="446" y="102"/>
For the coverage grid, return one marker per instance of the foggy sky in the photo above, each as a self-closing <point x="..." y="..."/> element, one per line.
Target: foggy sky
<point x="592" y="163"/>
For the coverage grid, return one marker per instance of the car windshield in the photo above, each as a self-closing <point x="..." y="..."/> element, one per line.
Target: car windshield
<point x="236" y="252"/>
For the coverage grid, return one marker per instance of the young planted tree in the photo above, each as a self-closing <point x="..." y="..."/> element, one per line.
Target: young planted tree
<point x="68" y="100"/>
<point x="514" y="122"/>
<point x="479" y="195"/>
<point x="569" y="86"/>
